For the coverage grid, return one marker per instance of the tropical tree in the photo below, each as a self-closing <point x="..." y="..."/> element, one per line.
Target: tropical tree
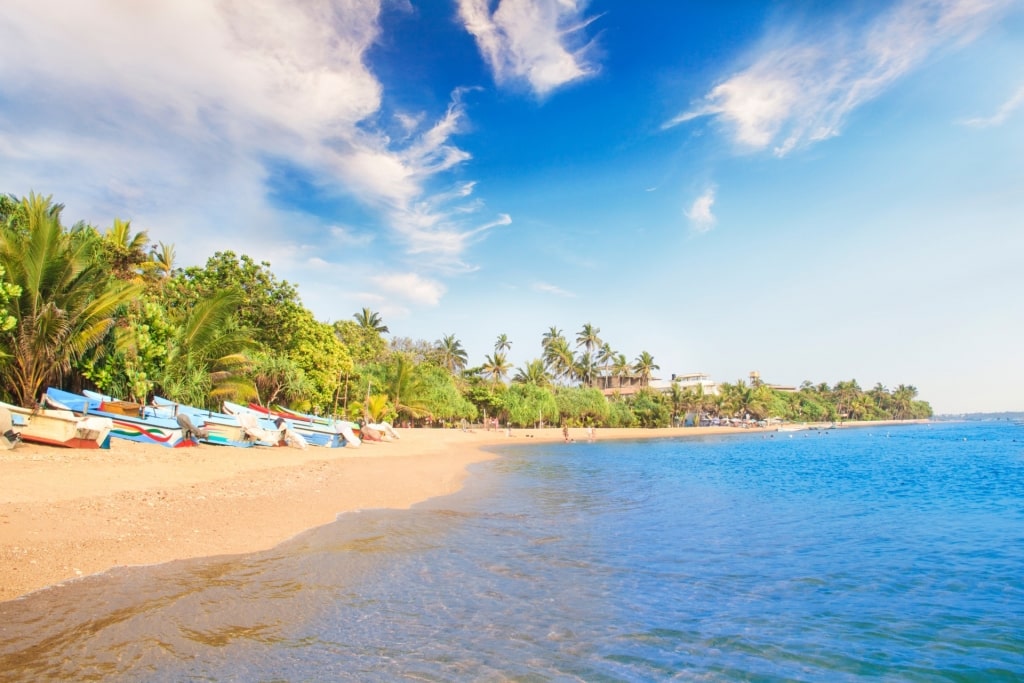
<point x="533" y="373"/>
<point x="645" y="366"/>
<point x="502" y="344"/>
<point x="370" y="320"/>
<point x="126" y="253"/>
<point x="496" y="367"/>
<point x="162" y="256"/>
<point x="585" y="369"/>
<point x="902" y="401"/>
<point x="207" y="360"/>
<point x="453" y="356"/>
<point x="588" y="337"/>
<point x="67" y="301"/>
<point x="559" y="359"/>
<point x="550" y="337"/>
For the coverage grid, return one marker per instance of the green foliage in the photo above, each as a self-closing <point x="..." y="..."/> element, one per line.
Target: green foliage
<point x="621" y="415"/>
<point x="527" y="404"/>
<point x="66" y="303"/>
<point x="206" y="360"/>
<point x="134" y="354"/>
<point x="365" y="345"/>
<point x="650" y="408"/>
<point x="581" y="406"/>
<point x="442" y="398"/>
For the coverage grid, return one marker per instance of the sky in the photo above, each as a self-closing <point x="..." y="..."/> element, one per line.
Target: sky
<point x="817" y="191"/>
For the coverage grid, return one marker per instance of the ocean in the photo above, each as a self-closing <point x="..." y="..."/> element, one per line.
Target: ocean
<point x="878" y="553"/>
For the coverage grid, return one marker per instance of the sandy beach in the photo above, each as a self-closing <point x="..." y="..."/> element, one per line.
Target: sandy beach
<point x="69" y="513"/>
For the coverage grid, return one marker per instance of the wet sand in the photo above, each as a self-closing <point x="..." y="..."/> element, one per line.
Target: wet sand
<point x="67" y="513"/>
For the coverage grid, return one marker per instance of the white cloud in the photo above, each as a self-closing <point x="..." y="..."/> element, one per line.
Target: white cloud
<point x="797" y="91"/>
<point x="1002" y="114"/>
<point x="536" y="41"/>
<point x="179" y="115"/>
<point x="548" y="288"/>
<point x="699" y="213"/>
<point x="411" y="287"/>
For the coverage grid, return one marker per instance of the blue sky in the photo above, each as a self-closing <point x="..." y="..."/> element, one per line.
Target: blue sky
<point x="815" y="190"/>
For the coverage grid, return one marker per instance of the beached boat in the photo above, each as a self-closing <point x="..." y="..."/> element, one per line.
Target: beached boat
<point x="60" y="427"/>
<point x="129" y="420"/>
<point x="346" y="430"/>
<point x="221" y="429"/>
<point x="318" y="431"/>
<point x="263" y="427"/>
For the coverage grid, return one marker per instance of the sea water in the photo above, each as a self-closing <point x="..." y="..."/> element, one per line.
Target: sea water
<point x="882" y="553"/>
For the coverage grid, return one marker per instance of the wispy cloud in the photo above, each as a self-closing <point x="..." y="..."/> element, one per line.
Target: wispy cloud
<point x="411" y="287"/>
<point x="798" y="90"/>
<point x="1004" y="112"/>
<point x="700" y="215"/>
<point x="181" y="108"/>
<point x="540" y="42"/>
<point x="548" y="288"/>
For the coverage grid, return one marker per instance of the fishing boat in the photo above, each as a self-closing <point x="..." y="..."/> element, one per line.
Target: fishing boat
<point x="344" y="430"/>
<point x="319" y="433"/>
<point x="221" y="428"/>
<point x="56" y="427"/>
<point x="129" y="419"/>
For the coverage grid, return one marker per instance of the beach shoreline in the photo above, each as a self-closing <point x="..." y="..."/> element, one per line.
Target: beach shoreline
<point x="69" y="513"/>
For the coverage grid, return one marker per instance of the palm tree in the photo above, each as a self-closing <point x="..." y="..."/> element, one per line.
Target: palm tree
<point x="406" y="388"/>
<point x="496" y="367"/>
<point x="551" y="337"/>
<point x="588" y="338"/>
<point x="503" y="344"/>
<point x="902" y="401"/>
<point x="369" y="320"/>
<point x="621" y="367"/>
<point x="559" y="358"/>
<point x="453" y="356"/>
<point x="126" y="252"/>
<point x="534" y="373"/>
<point x="163" y="259"/>
<point x="207" y="360"/>
<point x="585" y="369"/>
<point x="67" y="301"/>
<point x="645" y="366"/>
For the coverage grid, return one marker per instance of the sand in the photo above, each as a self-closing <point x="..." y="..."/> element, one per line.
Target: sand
<point x="67" y="513"/>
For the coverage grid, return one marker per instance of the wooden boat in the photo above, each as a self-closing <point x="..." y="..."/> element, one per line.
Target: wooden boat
<point x="317" y="433"/>
<point x="222" y="429"/>
<point x="252" y="419"/>
<point x="130" y="424"/>
<point x="345" y="429"/>
<point x="60" y="427"/>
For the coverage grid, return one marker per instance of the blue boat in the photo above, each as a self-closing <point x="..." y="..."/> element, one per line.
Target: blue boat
<point x="160" y="431"/>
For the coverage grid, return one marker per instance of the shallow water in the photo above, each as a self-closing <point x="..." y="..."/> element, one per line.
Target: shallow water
<point x="893" y="554"/>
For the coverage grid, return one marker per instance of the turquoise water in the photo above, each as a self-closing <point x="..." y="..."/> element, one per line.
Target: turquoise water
<point x="871" y="553"/>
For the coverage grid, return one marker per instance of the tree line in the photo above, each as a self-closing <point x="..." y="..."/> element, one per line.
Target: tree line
<point x="84" y="307"/>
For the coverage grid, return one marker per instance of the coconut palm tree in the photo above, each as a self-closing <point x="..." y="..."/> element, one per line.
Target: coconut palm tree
<point x="551" y="337"/>
<point x="503" y="344"/>
<point x="126" y="252"/>
<point x="208" y="360"/>
<point x="559" y="358"/>
<point x="588" y="338"/>
<point x="369" y="320"/>
<point x="453" y="356"/>
<point x="67" y="302"/>
<point x="585" y="369"/>
<point x="163" y="257"/>
<point x="496" y="366"/>
<point x="533" y="373"/>
<point x="645" y="366"/>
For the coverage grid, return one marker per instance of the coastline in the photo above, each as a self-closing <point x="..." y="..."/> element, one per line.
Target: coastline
<point x="68" y="513"/>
